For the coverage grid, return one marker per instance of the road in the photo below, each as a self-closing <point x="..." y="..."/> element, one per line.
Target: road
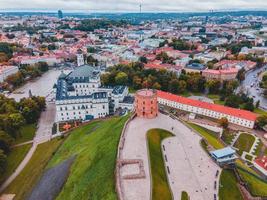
<point x="254" y="91"/>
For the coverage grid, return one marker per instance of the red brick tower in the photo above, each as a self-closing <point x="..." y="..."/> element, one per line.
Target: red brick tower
<point x="146" y="104"/>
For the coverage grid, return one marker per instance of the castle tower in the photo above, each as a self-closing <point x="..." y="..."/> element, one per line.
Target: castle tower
<point x="80" y="58"/>
<point x="146" y="105"/>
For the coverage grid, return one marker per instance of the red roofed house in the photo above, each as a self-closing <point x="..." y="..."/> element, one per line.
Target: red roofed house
<point x="236" y="116"/>
<point x="261" y="164"/>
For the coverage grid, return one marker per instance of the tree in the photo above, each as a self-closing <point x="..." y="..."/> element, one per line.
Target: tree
<point x="7" y="49"/>
<point x="121" y="78"/>
<point x="174" y="86"/>
<point x="30" y="110"/>
<point x="91" y="60"/>
<point x="233" y="101"/>
<point x="143" y="59"/>
<point x="156" y="86"/>
<point x="51" y="47"/>
<point x="5" y="141"/>
<point x="43" y="66"/>
<point x="91" y="50"/>
<point x="182" y="86"/>
<point x="213" y="86"/>
<point x="249" y="106"/>
<point x="13" y="124"/>
<point x="3" y="161"/>
<point x="257" y="104"/>
<point x="223" y="122"/>
<point x="261" y="121"/>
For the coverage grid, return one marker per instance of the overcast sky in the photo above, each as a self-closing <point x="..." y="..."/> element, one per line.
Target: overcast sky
<point x="133" y="5"/>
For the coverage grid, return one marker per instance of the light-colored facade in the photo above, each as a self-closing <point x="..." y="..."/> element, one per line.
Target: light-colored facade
<point x="221" y="75"/>
<point x="6" y="71"/>
<point x="79" y="96"/>
<point x="80" y="58"/>
<point x="235" y="116"/>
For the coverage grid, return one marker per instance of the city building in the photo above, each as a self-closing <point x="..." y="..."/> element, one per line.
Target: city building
<point x="224" y="156"/>
<point x="146" y="105"/>
<point x="221" y="75"/>
<point x="235" y="116"/>
<point x="80" y="58"/>
<point x="261" y="164"/>
<point x="194" y="67"/>
<point x="6" y="71"/>
<point x="80" y="96"/>
<point x="60" y="14"/>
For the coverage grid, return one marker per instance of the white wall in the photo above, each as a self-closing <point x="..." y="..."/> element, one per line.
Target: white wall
<point x="208" y="113"/>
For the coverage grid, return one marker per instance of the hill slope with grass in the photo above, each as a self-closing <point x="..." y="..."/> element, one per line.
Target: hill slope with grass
<point x="92" y="173"/>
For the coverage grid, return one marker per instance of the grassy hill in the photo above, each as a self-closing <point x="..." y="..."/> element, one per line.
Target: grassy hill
<point x="92" y="173"/>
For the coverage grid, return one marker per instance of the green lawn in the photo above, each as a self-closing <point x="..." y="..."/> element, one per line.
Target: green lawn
<point x="160" y="186"/>
<point x="227" y="137"/>
<point x="92" y="173"/>
<point x="249" y="157"/>
<point x="184" y="196"/>
<point x="25" y="181"/>
<point x="257" y="186"/>
<point x="244" y="143"/>
<point x="210" y="136"/>
<point x="27" y="133"/>
<point x="219" y="102"/>
<point x="213" y="96"/>
<point x="260" y="111"/>
<point x="14" y="158"/>
<point x="228" y="189"/>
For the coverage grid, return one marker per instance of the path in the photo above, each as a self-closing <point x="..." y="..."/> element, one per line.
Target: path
<point x="22" y="144"/>
<point x="43" y="134"/>
<point x="191" y="169"/>
<point x="19" y="168"/>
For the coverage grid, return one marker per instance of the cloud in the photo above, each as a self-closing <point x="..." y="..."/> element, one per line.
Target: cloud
<point x="133" y="5"/>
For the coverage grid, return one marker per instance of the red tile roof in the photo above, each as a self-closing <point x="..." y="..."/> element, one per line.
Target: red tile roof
<point x="214" y="107"/>
<point x="262" y="162"/>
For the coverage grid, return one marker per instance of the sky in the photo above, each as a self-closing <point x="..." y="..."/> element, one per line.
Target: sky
<point x="133" y="5"/>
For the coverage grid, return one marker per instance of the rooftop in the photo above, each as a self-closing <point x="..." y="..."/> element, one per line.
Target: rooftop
<point x="244" y="114"/>
<point x="227" y="151"/>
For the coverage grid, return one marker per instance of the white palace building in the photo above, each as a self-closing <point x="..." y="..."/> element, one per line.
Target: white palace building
<point x="80" y="96"/>
<point x="235" y="116"/>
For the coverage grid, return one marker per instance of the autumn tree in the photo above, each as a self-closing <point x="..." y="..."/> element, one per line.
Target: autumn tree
<point x="223" y="122"/>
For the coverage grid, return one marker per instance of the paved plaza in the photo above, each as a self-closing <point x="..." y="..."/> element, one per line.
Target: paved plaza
<point x="190" y="168"/>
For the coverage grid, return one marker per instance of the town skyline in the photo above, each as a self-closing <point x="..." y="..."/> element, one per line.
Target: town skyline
<point x="133" y="6"/>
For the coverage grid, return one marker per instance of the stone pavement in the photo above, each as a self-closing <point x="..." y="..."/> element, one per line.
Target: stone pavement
<point x="191" y="169"/>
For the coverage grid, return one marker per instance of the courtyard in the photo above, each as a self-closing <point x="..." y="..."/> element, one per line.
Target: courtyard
<point x="188" y="166"/>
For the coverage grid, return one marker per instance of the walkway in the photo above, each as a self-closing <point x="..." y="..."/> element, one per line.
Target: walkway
<point x="19" y="168"/>
<point x="190" y="167"/>
<point x="43" y="134"/>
